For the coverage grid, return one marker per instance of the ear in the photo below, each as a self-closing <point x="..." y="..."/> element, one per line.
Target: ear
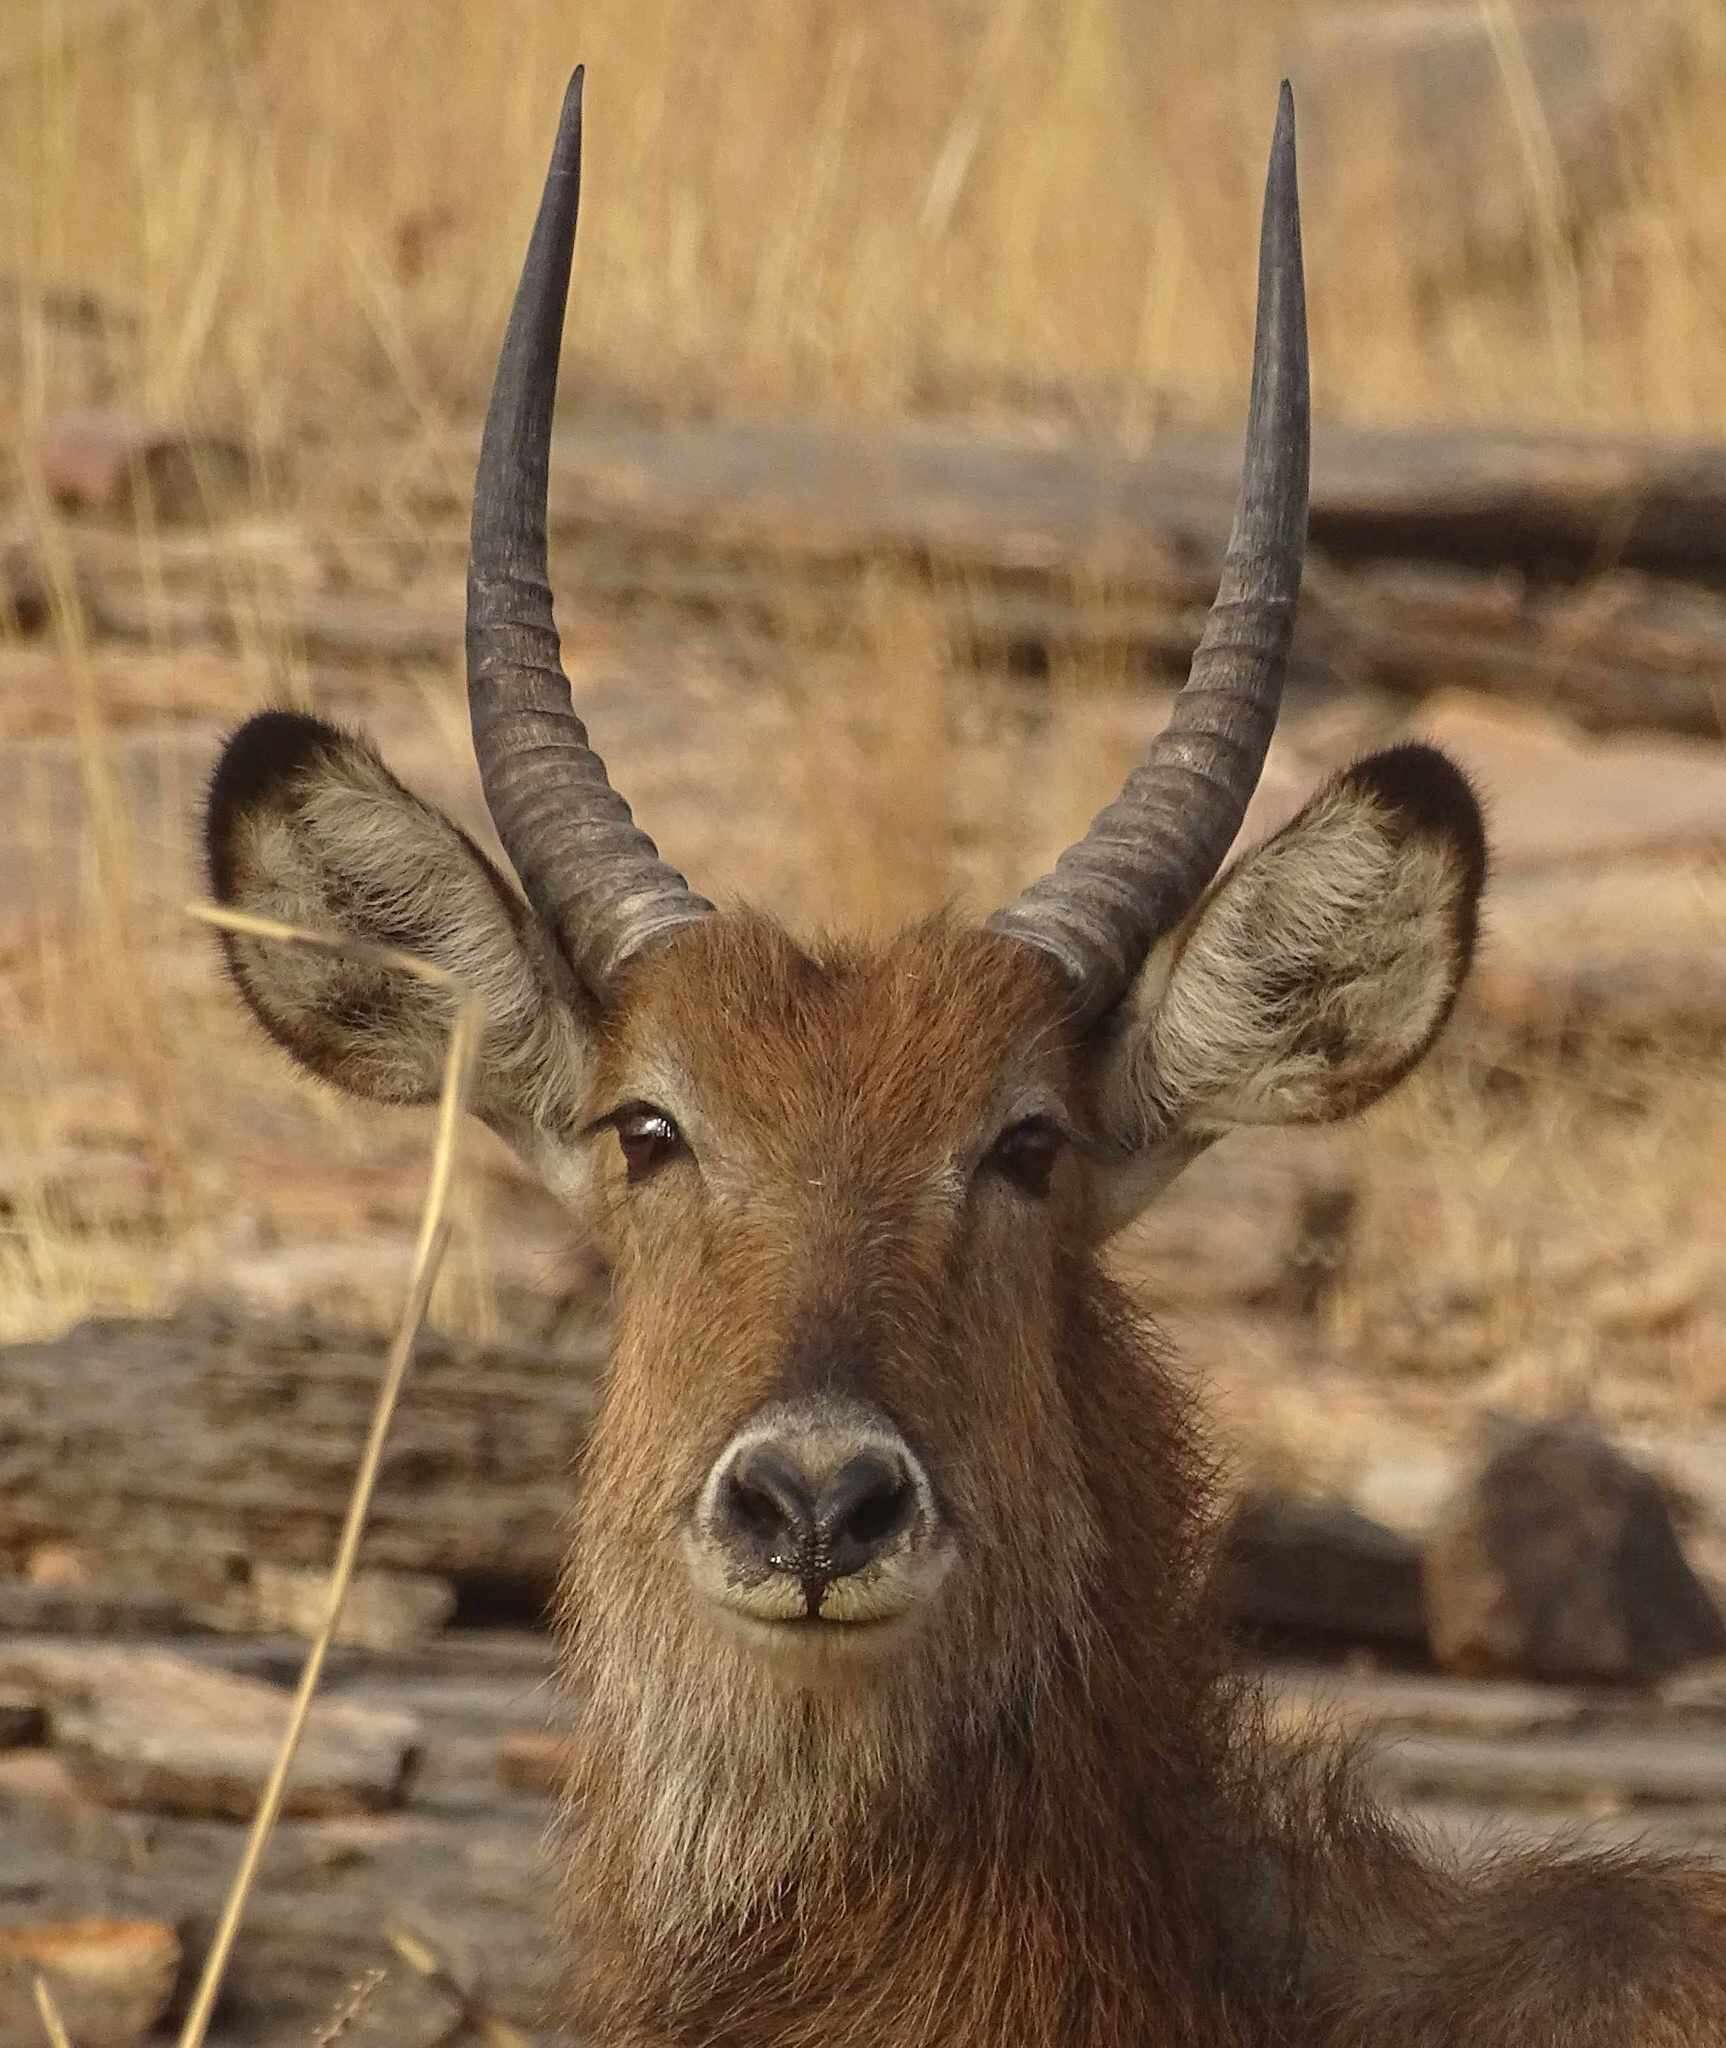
<point x="1314" y="975"/>
<point x="306" y="825"/>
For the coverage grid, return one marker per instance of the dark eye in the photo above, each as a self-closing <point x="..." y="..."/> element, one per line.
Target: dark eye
<point x="647" y="1138"/>
<point x="1025" y="1153"/>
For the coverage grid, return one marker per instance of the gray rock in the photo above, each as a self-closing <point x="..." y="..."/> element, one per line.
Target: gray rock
<point x="154" y="1730"/>
<point x="1559" y="1559"/>
<point x="1317" y="1568"/>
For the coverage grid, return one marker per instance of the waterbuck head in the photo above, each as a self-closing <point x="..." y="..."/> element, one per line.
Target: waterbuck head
<point x="873" y="1444"/>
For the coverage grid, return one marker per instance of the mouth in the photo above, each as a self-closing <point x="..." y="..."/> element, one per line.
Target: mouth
<point x="804" y="1638"/>
<point x="783" y="1615"/>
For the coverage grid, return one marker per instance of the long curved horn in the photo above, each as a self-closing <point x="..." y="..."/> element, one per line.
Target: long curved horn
<point x="1148" y="856"/>
<point x="593" y="876"/>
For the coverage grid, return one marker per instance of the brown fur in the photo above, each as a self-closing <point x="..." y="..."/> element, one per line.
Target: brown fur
<point x="1047" y="1816"/>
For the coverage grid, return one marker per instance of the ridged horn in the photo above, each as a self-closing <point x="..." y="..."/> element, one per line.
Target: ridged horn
<point x="589" y="871"/>
<point x="1147" y="858"/>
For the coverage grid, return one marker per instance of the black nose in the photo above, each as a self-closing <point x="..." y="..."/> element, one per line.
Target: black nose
<point x="777" y="1513"/>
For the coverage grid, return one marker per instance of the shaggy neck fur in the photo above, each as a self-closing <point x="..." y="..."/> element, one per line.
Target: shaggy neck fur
<point x="1027" y="1831"/>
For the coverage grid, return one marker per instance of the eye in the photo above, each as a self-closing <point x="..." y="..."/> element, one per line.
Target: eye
<point x="646" y="1136"/>
<point x="1025" y="1154"/>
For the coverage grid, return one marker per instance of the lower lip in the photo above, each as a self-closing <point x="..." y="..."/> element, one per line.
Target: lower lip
<point x="804" y="1629"/>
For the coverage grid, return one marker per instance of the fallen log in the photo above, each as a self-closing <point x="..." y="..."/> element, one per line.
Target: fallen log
<point x="1563" y="505"/>
<point x="1539" y="568"/>
<point x="196" y="1446"/>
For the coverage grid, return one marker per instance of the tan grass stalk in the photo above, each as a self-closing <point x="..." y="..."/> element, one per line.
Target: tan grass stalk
<point x="433" y="1235"/>
<point x="53" y="2024"/>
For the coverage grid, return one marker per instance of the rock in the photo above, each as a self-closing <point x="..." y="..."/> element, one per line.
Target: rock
<point x="1626" y="957"/>
<point x="110" y="1979"/>
<point x="1359" y="1703"/>
<point x="1597" y="1769"/>
<point x="1606" y="917"/>
<point x="1699" y="1693"/>
<point x="1406" y="1489"/>
<point x="120" y="466"/>
<point x="100" y="1607"/>
<point x="1557" y="799"/>
<point x="158" y="1731"/>
<point x="383" y="1610"/>
<point x="1316" y="1568"/>
<point x="23" y="1724"/>
<point x="1559" y="1560"/>
<point x="395" y="2007"/>
<point x="1263" y="1225"/>
<point x="1438" y="139"/>
<point x="62" y="1567"/>
<point x="466" y="1873"/>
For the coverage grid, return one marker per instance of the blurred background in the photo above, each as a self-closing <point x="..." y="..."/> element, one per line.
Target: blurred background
<point x="902" y="392"/>
<point x="904" y="375"/>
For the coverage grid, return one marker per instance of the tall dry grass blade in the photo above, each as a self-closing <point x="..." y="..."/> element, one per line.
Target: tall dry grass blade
<point x="433" y="1235"/>
<point x="52" y="2023"/>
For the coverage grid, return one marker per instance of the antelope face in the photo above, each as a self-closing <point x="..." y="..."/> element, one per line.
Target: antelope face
<point x="846" y="1190"/>
<point x="836" y="1184"/>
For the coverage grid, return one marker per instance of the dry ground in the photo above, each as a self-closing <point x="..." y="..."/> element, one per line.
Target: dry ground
<point x="300" y="222"/>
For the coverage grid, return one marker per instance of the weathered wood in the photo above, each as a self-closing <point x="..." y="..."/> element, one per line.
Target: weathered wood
<point x="1613" y="651"/>
<point x="1585" y="1768"/>
<point x="1562" y="504"/>
<point x="98" y="1609"/>
<point x="157" y="1731"/>
<point x="202" y="1443"/>
<point x="328" y="1897"/>
<point x="1501" y="561"/>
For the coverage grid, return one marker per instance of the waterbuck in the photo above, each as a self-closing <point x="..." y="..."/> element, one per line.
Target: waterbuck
<point x="905" y="1717"/>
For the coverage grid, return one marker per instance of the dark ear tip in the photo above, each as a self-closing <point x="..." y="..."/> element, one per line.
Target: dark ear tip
<point x="1427" y="789"/>
<point x="271" y="748"/>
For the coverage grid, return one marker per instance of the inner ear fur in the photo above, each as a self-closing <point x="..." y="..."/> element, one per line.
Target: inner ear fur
<point x="1316" y="973"/>
<point x="305" y="824"/>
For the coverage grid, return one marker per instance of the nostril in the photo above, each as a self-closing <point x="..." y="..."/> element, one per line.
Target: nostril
<point x="867" y="1503"/>
<point x="876" y="1516"/>
<point x="766" y="1502"/>
<point x="754" y="1512"/>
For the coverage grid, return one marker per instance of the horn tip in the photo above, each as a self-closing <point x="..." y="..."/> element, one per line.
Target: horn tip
<point x="1282" y="167"/>
<point x="569" y="120"/>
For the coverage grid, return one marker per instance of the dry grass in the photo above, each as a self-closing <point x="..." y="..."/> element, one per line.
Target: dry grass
<point x="467" y="1024"/>
<point x="309" y="215"/>
<point x="303" y="221"/>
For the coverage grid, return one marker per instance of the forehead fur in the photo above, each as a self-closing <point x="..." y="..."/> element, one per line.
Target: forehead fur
<point x="932" y="1024"/>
